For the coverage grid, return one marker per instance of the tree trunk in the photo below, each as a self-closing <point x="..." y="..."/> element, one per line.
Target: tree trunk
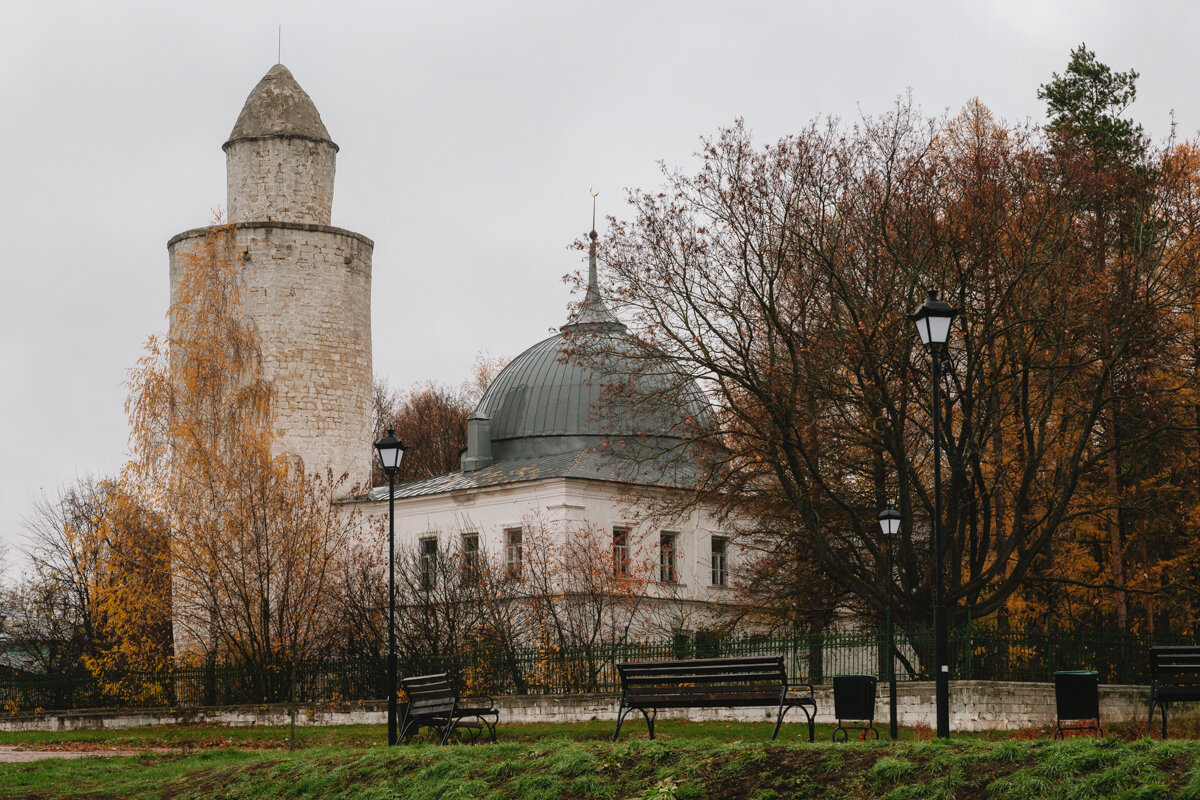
<point x="1114" y="522"/>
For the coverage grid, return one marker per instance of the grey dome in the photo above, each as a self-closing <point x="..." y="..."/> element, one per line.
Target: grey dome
<point x="550" y="400"/>
<point x="277" y="106"/>
<point x="582" y="389"/>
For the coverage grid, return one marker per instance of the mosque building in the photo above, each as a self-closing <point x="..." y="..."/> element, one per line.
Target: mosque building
<point x="542" y="445"/>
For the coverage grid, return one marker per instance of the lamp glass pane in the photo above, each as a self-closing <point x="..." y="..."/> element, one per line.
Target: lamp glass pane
<point x="923" y="330"/>
<point x="939" y="329"/>
<point x="390" y="456"/>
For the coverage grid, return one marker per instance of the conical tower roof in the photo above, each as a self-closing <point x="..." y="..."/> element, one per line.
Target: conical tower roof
<point x="279" y="107"/>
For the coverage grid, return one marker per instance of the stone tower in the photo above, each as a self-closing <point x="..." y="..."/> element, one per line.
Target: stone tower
<point x="308" y="284"/>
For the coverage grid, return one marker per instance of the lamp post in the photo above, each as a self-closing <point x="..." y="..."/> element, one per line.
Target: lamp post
<point x="391" y="450"/>
<point x="933" y="320"/>
<point x="889" y="524"/>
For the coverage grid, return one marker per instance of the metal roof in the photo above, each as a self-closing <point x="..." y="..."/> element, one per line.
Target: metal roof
<point x="550" y="399"/>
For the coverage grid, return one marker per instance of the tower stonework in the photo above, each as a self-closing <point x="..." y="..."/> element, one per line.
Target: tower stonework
<point x="308" y="284"/>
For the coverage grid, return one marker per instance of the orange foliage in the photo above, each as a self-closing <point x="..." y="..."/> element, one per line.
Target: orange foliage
<point x="253" y="534"/>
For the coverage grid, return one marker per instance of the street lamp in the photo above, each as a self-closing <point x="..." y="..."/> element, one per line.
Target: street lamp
<point x="391" y="450"/>
<point x="933" y="320"/>
<point x="889" y="524"/>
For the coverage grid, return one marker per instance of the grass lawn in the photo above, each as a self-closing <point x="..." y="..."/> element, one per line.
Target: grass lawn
<point x="565" y="762"/>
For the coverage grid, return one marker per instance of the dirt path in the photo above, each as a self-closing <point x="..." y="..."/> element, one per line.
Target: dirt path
<point x="10" y="754"/>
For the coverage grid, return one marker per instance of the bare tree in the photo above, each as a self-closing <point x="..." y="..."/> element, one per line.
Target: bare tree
<point x="779" y="278"/>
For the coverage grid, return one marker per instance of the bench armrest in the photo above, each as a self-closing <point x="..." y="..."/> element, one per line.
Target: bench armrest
<point x="479" y="701"/>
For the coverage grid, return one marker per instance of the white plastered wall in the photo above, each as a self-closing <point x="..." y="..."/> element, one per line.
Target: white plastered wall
<point x="562" y="504"/>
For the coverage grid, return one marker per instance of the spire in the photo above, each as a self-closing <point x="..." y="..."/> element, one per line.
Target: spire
<point x="593" y="313"/>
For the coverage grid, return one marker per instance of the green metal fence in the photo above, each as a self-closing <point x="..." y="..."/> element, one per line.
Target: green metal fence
<point x="977" y="652"/>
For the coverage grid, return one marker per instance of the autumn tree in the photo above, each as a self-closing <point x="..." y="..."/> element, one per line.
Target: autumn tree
<point x="1105" y="163"/>
<point x="584" y="593"/>
<point x="431" y="419"/>
<point x="59" y="619"/>
<point x="97" y="596"/>
<point x="779" y="278"/>
<point x="253" y="533"/>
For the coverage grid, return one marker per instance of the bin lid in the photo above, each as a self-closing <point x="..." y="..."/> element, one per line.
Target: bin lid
<point x="857" y="676"/>
<point x="1076" y="672"/>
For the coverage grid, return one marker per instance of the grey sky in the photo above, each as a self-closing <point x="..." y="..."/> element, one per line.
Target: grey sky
<point x="470" y="133"/>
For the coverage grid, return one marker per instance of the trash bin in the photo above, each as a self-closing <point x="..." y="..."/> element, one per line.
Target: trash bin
<point x="854" y="700"/>
<point x="1077" y="700"/>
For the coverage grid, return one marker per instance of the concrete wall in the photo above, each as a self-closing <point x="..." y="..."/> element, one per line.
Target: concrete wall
<point x="974" y="706"/>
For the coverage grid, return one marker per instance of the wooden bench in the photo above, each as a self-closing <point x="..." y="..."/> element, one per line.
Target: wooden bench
<point x="647" y="686"/>
<point x="1174" y="677"/>
<point x="433" y="702"/>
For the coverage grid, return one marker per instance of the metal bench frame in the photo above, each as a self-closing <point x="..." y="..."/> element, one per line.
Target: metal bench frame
<point x="1174" y="677"/>
<point x="647" y="686"/>
<point x="434" y="703"/>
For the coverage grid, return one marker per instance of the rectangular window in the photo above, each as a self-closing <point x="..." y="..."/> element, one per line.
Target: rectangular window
<point x="668" y="558"/>
<point x="620" y="552"/>
<point x="720" y="573"/>
<point x="512" y="553"/>
<point x="470" y="555"/>
<point x="428" y="563"/>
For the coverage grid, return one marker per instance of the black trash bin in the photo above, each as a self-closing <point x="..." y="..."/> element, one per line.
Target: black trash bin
<point x="1077" y="699"/>
<point x="854" y="701"/>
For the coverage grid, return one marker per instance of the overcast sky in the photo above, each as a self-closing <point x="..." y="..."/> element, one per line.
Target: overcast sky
<point x="470" y="133"/>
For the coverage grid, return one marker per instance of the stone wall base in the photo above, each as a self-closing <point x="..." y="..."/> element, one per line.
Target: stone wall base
<point x="974" y="706"/>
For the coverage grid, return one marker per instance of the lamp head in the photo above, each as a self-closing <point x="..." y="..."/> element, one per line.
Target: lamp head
<point x="889" y="521"/>
<point x="933" y="320"/>
<point x="391" y="451"/>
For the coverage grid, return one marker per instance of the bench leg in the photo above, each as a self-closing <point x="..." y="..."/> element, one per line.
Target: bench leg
<point x="808" y="715"/>
<point x="1163" y="708"/>
<point x="621" y="712"/>
<point x="783" y="709"/>
<point x="779" y="719"/>
<point x="448" y="730"/>
<point x="650" y="719"/>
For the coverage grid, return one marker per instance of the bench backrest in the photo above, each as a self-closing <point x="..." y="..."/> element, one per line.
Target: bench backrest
<point x="1176" y="667"/>
<point x="705" y="680"/>
<point x="429" y="694"/>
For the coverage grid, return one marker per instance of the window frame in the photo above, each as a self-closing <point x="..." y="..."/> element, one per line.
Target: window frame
<point x="429" y="562"/>
<point x="514" y="540"/>
<point x="620" y="551"/>
<point x="470" y="554"/>
<point x="721" y="571"/>
<point x="668" y="557"/>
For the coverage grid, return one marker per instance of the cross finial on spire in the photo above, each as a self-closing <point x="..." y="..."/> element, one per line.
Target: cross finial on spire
<point x="594" y="196"/>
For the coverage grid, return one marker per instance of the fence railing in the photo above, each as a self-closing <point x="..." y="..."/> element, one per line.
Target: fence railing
<point x="976" y="653"/>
